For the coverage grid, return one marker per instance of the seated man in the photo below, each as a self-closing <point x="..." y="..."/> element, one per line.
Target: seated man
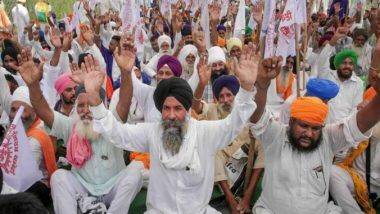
<point x="355" y="181"/>
<point x="224" y="89"/>
<point x="41" y="144"/>
<point x="182" y="149"/>
<point x="98" y="167"/>
<point x="299" y="155"/>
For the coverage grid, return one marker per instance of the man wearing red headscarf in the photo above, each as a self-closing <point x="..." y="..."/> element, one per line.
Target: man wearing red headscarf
<point x="65" y="88"/>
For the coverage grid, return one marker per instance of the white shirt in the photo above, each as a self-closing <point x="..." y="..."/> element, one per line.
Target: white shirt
<point x="350" y="91"/>
<point x="292" y="182"/>
<point x="20" y="16"/>
<point x="170" y="190"/>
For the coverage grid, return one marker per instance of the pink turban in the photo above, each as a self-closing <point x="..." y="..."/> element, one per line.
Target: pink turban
<point x="64" y="81"/>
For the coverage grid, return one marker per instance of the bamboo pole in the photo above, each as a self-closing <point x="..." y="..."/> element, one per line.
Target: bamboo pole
<point x="297" y="60"/>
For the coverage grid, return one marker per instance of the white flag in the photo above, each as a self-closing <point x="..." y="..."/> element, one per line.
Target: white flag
<point x="240" y="20"/>
<point x="301" y="14"/>
<point x="286" y="38"/>
<point x="19" y="167"/>
<point x="127" y="15"/>
<point x="269" y="12"/>
<point x="205" y="23"/>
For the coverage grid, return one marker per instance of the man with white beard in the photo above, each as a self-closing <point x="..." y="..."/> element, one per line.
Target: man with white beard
<point x="98" y="177"/>
<point x="188" y="57"/>
<point x="182" y="149"/>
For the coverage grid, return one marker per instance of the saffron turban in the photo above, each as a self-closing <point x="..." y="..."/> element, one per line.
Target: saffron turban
<point x="173" y="64"/>
<point x="309" y="109"/>
<point x="228" y="81"/>
<point x="64" y="81"/>
<point x="341" y="56"/>
<point x="322" y="88"/>
<point x="234" y="42"/>
<point x="21" y="94"/>
<point x="216" y="54"/>
<point x="173" y="87"/>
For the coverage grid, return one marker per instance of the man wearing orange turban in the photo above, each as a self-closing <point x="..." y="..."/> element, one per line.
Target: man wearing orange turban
<point x="299" y="155"/>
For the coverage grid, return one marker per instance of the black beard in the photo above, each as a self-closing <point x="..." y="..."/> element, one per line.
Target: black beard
<point x="218" y="73"/>
<point x="344" y="76"/>
<point x="68" y="101"/>
<point x="189" y="42"/>
<point x="294" y="142"/>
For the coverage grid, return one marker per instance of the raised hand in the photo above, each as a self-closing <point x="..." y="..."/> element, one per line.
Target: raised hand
<point x="27" y="69"/>
<point x="269" y="69"/>
<point x="88" y="36"/>
<point x="204" y="71"/>
<point x="257" y="11"/>
<point x="93" y="77"/>
<point x="67" y="40"/>
<point x="247" y="67"/>
<point x="340" y="33"/>
<point x="199" y="40"/>
<point x="125" y="55"/>
<point x="214" y="10"/>
<point x="55" y="39"/>
<point x="77" y="75"/>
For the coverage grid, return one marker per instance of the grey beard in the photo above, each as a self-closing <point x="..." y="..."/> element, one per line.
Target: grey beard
<point x="172" y="135"/>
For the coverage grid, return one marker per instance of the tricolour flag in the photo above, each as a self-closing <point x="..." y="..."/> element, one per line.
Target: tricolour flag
<point x="20" y="170"/>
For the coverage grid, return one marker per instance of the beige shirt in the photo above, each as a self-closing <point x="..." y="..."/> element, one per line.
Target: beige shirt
<point x="213" y="111"/>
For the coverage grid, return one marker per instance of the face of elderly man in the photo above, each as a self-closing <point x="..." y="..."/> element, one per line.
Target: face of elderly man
<point x="165" y="47"/>
<point x="226" y="99"/>
<point x="27" y="117"/>
<point x="164" y="73"/>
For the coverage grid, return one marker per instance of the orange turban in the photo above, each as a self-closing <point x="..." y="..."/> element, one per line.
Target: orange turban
<point x="369" y="94"/>
<point x="309" y="109"/>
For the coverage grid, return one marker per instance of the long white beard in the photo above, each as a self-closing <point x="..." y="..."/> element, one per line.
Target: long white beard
<point x="84" y="128"/>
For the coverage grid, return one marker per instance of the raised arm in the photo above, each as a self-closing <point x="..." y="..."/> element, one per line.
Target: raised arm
<point x="32" y="76"/>
<point x="126" y="136"/>
<point x="214" y="16"/>
<point x="370" y="114"/>
<point x="268" y="70"/>
<point x="56" y="42"/>
<point x="125" y="59"/>
<point x="204" y="73"/>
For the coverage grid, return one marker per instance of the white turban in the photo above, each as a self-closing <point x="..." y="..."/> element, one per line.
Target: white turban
<point x="22" y="94"/>
<point x="185" y="51"/>
<point x="216" y="54"/>
<point x="164" y="38"/>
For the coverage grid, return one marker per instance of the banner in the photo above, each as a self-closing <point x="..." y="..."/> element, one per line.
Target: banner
<point x="286" y="38"/>
<point x="127" y="15"/>
<point x="239" y="29"/>
<point x="20" y="170"/>
<point x="269" y="15"/>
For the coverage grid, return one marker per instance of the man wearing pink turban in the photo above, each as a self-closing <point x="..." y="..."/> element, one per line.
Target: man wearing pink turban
<point x="65" y="88"/>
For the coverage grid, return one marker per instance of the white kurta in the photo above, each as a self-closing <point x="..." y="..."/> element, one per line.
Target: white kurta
<point x="170" y="190"/>
<point x="296" y="182"/>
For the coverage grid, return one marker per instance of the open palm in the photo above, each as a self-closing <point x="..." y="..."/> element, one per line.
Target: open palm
<point x="27" y="69"/>
<point x="125" y="55"/>
<point x="246" y="67"/>
<point x="93" y="77"/>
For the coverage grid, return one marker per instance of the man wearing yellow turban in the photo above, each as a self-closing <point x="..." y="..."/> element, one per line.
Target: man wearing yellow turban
<point x="299" y="155"/>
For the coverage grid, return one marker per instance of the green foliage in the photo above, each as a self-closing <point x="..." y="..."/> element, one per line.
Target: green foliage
<point x="60" y="7"/>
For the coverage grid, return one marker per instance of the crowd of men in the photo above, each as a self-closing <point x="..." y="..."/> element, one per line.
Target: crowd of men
<point x="165" y="104"/>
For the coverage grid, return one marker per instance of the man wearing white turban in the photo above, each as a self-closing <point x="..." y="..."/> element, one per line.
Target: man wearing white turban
<point x="188" y="57"/>
<point x="165" y="45"/>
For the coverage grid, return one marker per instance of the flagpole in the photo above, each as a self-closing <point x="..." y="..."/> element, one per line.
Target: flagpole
<point x="297" y="60"/>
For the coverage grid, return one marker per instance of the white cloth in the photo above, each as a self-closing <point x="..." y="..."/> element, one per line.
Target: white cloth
<point x="65" y="187"/>
<point x="178" y="191"/>
<point x="99" y="174"/>
<point x="135" y="115"/>
<point x="296" y="182"/>
<point x="20" y="16"/>
<point x="341" y="184"/>
<point x="21" y="94"/>
<point x="216" y="54"/>
<point x="162" y="39"/>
